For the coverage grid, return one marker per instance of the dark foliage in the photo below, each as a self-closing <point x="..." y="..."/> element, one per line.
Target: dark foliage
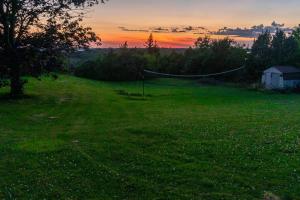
<point x="269" y="50"/>
<point x="213" y="56"/>
<point x="124" y="65"/>
<point x="35" y="33"/>
<point x="207" y="57"/>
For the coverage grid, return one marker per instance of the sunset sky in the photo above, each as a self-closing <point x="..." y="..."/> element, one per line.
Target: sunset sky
<point x="177" y="23"/>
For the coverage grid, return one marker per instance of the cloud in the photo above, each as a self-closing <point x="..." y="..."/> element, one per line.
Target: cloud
<point x="173" y="29"/>
<point x="250" y="32"/>
<point x="159" y="30"/>
<point x="122" y="28"/>
<point x="253" y="31"/>
<point x="246" y="32"/>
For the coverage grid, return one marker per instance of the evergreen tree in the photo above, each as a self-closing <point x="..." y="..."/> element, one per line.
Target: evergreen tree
<point x="151" y="45"/>
<point x="260" y="57"/>
<point x="278" y="48"/>
<point x="124" y="46"/>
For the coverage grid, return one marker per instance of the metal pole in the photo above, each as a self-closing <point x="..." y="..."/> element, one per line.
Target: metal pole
<point x="143" y="84"/>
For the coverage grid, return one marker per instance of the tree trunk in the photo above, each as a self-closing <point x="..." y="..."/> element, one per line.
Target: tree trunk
<point x="16" y="84"/>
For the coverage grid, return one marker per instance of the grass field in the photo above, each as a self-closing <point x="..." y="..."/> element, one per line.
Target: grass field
<point x="80" y="139"/>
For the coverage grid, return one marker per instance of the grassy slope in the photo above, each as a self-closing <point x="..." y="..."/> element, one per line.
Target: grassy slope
<point x="80" y="139"/>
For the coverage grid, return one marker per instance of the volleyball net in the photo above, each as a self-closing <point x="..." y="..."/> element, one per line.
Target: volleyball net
<point x="191" y="79"/>
<point x="166" y="75"/>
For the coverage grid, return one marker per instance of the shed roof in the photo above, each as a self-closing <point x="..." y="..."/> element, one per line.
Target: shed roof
<point x="287" y="69"/>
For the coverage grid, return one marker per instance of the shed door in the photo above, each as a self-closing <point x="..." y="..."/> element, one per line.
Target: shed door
<point x="275" y="80"/>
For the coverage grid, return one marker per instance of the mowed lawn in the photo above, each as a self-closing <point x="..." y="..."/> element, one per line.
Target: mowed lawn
<point x="80" y="139"/>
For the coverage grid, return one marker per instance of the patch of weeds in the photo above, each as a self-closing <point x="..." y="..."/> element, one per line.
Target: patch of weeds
<point x="270" y="196"/>
<point x="289" y="149"/>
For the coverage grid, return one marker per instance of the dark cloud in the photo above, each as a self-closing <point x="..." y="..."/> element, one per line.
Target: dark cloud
<point x="274" y="24"/>
<point x="236" y="32"/>
<point x="254" y="31"/>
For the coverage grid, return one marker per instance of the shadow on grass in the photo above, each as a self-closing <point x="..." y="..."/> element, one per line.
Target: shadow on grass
<point x="132" y="96"/>
<point x="6" y="97"/>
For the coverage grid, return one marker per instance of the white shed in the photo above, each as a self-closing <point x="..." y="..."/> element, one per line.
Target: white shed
<point x="281" y="77"/>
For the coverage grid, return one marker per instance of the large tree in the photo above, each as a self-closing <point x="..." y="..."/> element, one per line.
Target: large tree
<point x="33" y="32"/>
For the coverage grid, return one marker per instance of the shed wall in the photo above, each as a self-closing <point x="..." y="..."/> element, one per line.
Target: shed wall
<point x="291" y="83"/>
<point x="272" y="80"/>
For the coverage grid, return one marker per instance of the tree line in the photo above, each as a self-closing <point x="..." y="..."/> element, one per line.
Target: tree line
<point x="205" y="57"/>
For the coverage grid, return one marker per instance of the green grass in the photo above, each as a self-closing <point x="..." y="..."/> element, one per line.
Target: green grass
<point x="81" y="139"/>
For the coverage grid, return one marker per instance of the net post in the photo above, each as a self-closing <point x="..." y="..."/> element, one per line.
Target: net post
<point x="143" y="77"/>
